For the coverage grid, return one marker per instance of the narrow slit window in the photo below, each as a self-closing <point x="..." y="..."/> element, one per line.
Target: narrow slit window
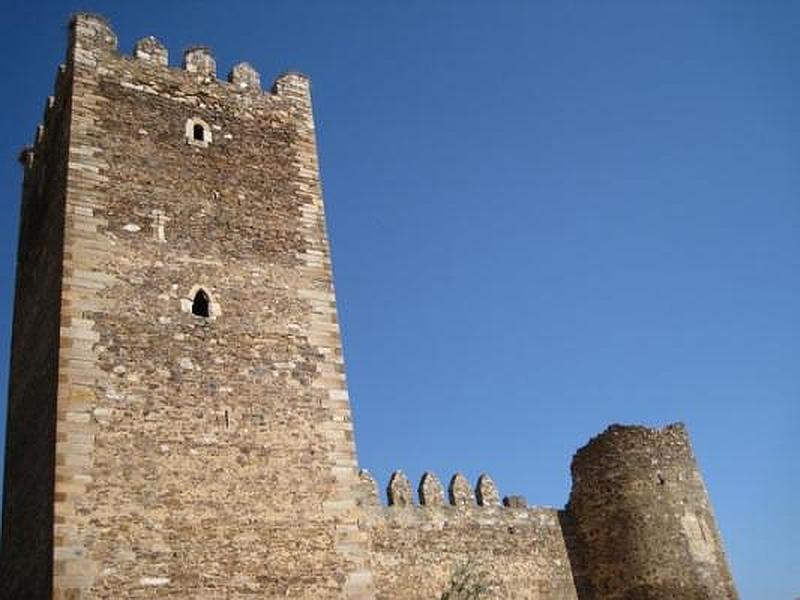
<point x="200" y="305"/>
<point x="199" y="132"/>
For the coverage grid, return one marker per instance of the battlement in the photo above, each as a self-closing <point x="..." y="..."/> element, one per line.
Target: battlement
<point x="94" y="44"/>
<point x="93" y="34"/>
<point x="419" y="540"/>
<point x="662" y="456"/>
<point x="28" y="154"/>
<point x="431" y="492"/>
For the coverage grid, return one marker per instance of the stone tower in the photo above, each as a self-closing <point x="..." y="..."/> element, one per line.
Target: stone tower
<point x="179" y="424"/>
<point x="643" y="519"/>
<point x="178" y="417"/>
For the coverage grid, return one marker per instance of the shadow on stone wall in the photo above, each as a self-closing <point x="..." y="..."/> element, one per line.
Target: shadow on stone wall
<point x="576" y="558"/>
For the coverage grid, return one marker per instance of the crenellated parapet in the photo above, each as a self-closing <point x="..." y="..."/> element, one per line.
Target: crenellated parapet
<point x="91" y="33"/>
<point x="199" y="61"/>
<point x="638" y="524"/>
<point x="94" y="38"/>
<point x="431" y="493"/>
<point x="28" y="154"/>
<point x="94" y="46"/>
<point x="150" y="49"/>
<point x="417" y="544"/>
<point x="245" y="77"/>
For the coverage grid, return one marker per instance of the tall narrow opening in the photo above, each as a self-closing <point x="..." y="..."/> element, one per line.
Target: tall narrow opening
<point x="200" y="305"/>
<point x="199" y="132"/>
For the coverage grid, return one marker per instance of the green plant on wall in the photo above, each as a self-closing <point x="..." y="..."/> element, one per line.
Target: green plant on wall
<point x="467" y="582"/>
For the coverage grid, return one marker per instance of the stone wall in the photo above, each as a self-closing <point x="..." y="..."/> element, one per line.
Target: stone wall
<point x="196" y="456"/>
<point x="27" y="554"/>
<point x="418" y="550"/>
<point x="643" y="520"/>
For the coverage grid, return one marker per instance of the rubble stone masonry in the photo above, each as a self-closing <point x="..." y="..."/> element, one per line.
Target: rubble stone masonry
<point x="179" y="424"/>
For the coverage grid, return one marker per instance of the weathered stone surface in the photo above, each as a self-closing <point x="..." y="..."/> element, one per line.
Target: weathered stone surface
<point x="486" y="491"/>
<point x="415" y="551"/>
<point x="199" y="60"/>
<point x="399" y="491"/>
<point x="460" y="491"/>
<point x="245" y="77"/>
<point x="149" y="48"/>
<point x="668" y="546"/>
<point x="369" y="495"/>
<point x="199" y="457"/>
<point x="431" y="492"/>
<point x="515" y="502"/>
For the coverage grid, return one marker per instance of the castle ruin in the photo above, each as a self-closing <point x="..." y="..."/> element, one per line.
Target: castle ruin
<point x="179" y="423"/>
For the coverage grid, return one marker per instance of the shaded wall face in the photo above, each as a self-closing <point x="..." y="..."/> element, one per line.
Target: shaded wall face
<point x="643" y="519"/>
<point x="26" y="561"/>
<point x="220" y="450"/>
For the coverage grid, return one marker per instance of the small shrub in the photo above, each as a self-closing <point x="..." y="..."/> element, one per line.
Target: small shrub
<point x="468" y="582"/>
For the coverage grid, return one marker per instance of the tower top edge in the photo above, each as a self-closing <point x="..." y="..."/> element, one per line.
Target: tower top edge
<point x="625" y="440"/>
<point x="94" y="32"/>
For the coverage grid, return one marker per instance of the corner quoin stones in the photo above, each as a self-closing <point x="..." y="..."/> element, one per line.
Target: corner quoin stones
<point x="179" y="424"/>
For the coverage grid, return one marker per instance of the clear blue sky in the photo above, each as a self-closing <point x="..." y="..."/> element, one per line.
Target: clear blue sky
<point x="545" y="217"/>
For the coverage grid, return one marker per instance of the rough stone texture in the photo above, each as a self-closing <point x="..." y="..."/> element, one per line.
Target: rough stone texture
<point x="417" y="549"/>
<point x="245" y="77"/>
<point x="369" y="489"/>
<point x="643" y="520"/>
<point x="460" y="491"/>
<point x="515" y="502"/>
<point x="399" y="491"/>
<point x="431" y="492"/>
<point x="149" y="48"/>
<point x="199" y="457"/>
<point x="486" y="491"/>
<point x="199" y="60"/>
<point x="26" y="560"/>
<point x="164" y="446"/>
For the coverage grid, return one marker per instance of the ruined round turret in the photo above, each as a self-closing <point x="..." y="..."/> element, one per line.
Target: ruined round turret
<point x="644" y="520"/>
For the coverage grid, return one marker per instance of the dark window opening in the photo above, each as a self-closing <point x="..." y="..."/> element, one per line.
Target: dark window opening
<point x="199" y="132"/>
<point x="200" y="305"/>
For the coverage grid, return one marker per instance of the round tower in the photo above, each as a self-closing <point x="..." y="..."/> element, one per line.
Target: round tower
<point x="643" y="521"/>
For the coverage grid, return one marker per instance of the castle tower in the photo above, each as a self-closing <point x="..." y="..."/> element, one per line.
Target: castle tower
<point x="179" y="424"/>
<point x="643" y="520"/>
